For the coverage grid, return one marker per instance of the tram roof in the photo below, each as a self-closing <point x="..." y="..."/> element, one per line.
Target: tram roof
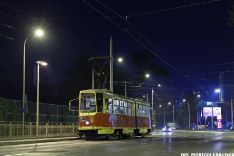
<point x="112" y="94"/>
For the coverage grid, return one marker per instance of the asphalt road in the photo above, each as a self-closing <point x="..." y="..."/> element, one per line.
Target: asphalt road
<point x="176" y="143"/>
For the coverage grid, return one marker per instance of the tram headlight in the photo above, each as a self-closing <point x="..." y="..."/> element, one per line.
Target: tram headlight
<point x="86" y="122"/>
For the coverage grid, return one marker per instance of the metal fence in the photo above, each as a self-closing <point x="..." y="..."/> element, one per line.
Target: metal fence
<point x="14" y="130"/>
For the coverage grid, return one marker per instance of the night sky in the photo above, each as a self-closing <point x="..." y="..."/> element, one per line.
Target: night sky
<point x="189" y="37"/>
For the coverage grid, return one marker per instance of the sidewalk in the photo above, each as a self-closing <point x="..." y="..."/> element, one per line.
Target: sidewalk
<point x="31" y="141"/>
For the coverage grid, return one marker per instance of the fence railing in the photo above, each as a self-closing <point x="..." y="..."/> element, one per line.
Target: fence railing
<point x="14" y="130"/>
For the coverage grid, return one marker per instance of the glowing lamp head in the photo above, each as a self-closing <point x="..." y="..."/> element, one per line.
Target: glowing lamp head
<point x="39" y="33"/>
<point x="147" y="75"/>
<point x="120" y="59"/>
<point x="41" y="63"/>
<point x="217" y="90"/>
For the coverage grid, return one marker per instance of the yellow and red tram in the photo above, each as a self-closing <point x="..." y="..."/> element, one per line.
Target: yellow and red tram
<point x="104" y="114"/>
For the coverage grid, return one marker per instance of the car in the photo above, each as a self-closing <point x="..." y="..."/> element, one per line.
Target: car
<point x="166" y="129"/>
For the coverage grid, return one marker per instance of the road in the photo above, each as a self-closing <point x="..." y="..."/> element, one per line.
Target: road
<point x="173" y="144"/>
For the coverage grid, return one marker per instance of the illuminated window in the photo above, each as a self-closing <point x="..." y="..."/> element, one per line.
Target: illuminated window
<point x="143" y="111"/>
<point x="116" y="106"/>
<point x="110" y="105"/>
<point x="125" y="108"/>
<point x="121" y="107"/>
<point x="129" y="109"/>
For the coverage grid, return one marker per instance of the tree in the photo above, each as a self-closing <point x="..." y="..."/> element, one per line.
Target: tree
<point x="230" y="23"/>
<point x="28" y="115"/>
<point x="143" y="62"/>
<point x="15" y="114"/>
<point x="65" y="119"/>
<point x="3" y="109"/>
<point x="48" y="112"/>
<point x="80" y="78"/>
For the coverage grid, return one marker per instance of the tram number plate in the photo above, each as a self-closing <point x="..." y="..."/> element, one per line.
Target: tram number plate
<point x="82" y="118"/>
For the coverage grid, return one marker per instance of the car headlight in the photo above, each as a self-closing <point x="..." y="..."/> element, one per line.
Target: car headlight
<point x="163" y="129"/>
<point x="86" y="122"/>
<point x="169" y="129"/>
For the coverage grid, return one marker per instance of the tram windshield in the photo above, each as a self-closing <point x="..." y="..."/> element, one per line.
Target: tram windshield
<point x="87" y="102"/>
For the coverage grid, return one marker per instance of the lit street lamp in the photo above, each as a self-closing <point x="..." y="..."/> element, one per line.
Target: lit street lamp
<point x="164" y="114"/>
<point x="44" y="64"/>
<point x="169" y="103"/>
<point x="38" y="33"/>
<point x="120" y="59"/>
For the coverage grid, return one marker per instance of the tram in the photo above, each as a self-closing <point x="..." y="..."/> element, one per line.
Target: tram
<point x="105" y="114"/>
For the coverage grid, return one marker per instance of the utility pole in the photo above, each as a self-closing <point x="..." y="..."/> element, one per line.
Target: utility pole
<point x="111" y="66"/>
<point x="173" y="114"/>
<point x="125" y="89"/>
<point x="212" y="116"/>
<point x="232" y="111"/>
<point x="164" y="116"/>
<point x="189" y="114"/>
<point x="197" y="115"/>
<point x="93" y="75"/>
<point x="152" y="107"/>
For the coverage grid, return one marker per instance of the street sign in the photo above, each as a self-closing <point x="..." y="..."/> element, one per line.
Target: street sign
<point x="22" y="110"/>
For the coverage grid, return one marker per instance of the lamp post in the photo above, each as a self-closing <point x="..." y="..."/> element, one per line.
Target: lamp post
<point x="163" y="114"/>
<point x="152" y="107"/>
<point x="232" y="110"/>
<point x="38" y="33"/>
<point x="38" y="63"/>
<point x="169" y="103"/>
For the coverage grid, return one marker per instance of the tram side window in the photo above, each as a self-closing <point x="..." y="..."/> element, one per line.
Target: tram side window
<point x="129" y="109"/>
<point x="121" y="107"/>
<point x="125" y="108"/>
<point x="148" y="111"/>
<point x="116" y="106"/>
<point x="132" y="109"/>
<point x="143" y="111"/>
<point x="109" y="105"/>
<point x="139" y="110"/>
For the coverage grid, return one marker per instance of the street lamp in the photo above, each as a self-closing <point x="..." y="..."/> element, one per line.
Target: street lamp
<point x="44" y="64"/>
<point x="169" y="103"/>
<point x="188" y="112"/>
<point x="120" y="59"/>
<point x="38" y="33"/>
<point x="164" y="114"/>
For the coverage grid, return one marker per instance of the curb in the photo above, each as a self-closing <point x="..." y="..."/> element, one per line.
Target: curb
<point x="30" y="141"/>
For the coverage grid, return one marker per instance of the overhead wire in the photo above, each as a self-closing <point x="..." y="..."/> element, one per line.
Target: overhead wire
<point x="45" y="23"/>
<point x="133" y="36"/>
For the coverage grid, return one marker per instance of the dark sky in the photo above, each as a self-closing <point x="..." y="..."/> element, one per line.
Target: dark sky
<point x="189" y="37"/>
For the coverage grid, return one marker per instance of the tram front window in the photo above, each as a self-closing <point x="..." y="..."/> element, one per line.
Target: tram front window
<point x="87" y="102"/>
